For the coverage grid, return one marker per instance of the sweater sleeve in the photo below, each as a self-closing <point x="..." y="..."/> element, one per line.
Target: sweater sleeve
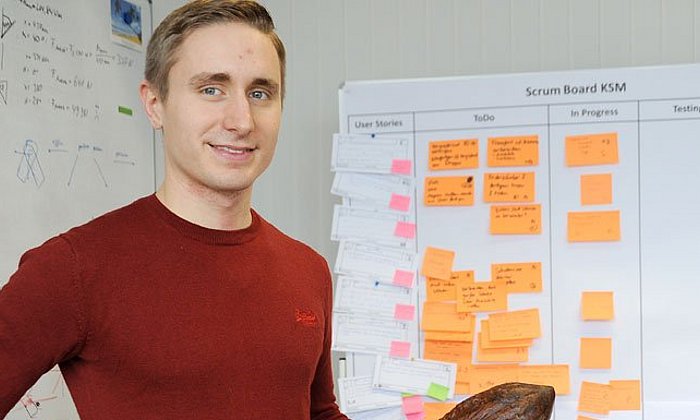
<point x="41" y="321"/>
<point x="323" y="406"/>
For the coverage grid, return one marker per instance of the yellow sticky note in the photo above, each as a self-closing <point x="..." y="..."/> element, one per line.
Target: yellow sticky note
<point x="487" y="343"/>
<point x="446" y="290"/>
<point x="437" y="263"/>
<point x="594" y="398"/>
<point x="515" y="325"/>
<point x="625" y="395"/>
<point x="591" y="149"/>
<point x="514" y="151"/>
<point x="597" y="306"/>
<point x="482" y="297"/>
<point x="596" y="353"/>
<point x="436" y="410"/>
<point x="518" y="277"/>
<point x="508" y="187"/>
<point x="594" y="226"/>
<point x="516" y="220"/>
<point x="501" y="354"/>
<point x="449" y="191"/>
<point x="442" y="316"/>
<point x="453" y="154"/>
<point x="556" y="376"/>
<point x="596" y="189"/>
<point x="448" y="351"/>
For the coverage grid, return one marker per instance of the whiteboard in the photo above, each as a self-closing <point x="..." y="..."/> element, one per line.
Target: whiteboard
<point x="652" y="270"/>
<point x="75" y="143"/>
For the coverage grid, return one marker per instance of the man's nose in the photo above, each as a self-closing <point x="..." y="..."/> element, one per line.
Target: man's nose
<point x="238" y="116"/>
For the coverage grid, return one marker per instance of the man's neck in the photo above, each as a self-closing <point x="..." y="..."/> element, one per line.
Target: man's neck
<point x="210" y="209"/>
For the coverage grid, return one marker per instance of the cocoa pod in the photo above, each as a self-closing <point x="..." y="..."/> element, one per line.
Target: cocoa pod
<point x="510" y="401"/>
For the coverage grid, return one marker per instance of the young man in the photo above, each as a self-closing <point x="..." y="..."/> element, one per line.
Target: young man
<point x="186" y="303"/>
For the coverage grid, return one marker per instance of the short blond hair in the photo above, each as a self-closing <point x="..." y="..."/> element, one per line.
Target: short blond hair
<point x="162" y="50"/>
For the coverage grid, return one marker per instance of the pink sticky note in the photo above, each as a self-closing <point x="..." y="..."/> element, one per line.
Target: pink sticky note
<point x="415" y="416"/>
<point x="404" y="312"/>
<point x="403" y="278"/>
<point x="405" y="230"/>
<point x="412" y="405"/>
<point x="400" y="349"/>
<point x="401" y="166"/>
<point x="400" y="202"/>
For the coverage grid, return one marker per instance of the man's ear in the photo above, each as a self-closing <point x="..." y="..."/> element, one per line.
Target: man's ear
<point x="151" y="104"/>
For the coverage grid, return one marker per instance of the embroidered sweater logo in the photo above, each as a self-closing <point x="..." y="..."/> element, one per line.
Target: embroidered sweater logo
<point x="306" y="317"/>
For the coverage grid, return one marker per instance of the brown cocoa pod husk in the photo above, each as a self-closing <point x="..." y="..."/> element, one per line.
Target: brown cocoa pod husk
<point x="509" y="401"/>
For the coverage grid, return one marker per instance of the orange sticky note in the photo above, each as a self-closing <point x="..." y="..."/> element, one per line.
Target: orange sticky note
<point x="482" y="297"/>
<point x="487" y="343"/>
<point x="596" y="353"/>
<point x="436" y="410"/>
<point x="516" y="220"/>
<point x="591" y="149"/>
<point x="594" y="226"/>
<point x="461" y="388"/>
<point x="514" y="151"/>
<point x="453" y="154"/>
<point x="518" y="277"/>
<point x="442" y="290"/>
<point x="405" y="230"/>
<point x="594" y="398"/>
<point x="437" y="263"/>
<point x="597" y="306"/>
<point x="553" y="375"/>
<point x="483" y="377"/>
<point x="584" y="418"/>
<point x="448" y="351"/>
<point x="441" y="316"/>
<point x="400" y="349"/>
<point x="515" y="325"/>
<point x="404" y="312"/>
<point x="464" y="337"/>
<point x="449" y="191"/>
<point x="401" y="167"/>
<point x="400" y="202"/>
<point x="596" y="189"/>
<point x="507" y="187"/>
<point x="501" y="354"/>
<point x="625" y="395"/>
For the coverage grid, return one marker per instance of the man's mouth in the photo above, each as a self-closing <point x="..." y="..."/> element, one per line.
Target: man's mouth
<point x="233" y="150"/>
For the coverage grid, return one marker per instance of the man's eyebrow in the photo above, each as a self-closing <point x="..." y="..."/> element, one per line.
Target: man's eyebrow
<point x="268" y="84"/>
<point x="206" y="77"/>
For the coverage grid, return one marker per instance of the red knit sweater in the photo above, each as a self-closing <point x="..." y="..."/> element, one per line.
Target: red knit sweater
<point x="152" y="317"/>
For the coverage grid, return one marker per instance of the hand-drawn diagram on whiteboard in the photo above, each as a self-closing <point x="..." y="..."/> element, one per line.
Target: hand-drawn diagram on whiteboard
<point x="3" y="91"/>
<point x="86" y="165"/>
<point x="29" y="169"/>
<point x="7" y="23"/>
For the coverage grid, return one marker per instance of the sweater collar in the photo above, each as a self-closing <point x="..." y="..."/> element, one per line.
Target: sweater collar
<point x="203" y="234"/>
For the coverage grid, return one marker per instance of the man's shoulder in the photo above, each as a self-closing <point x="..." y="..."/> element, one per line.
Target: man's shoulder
<point x="290" y="245"/>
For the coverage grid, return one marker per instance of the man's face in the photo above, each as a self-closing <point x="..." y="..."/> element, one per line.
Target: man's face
<point x="222" y="114"/>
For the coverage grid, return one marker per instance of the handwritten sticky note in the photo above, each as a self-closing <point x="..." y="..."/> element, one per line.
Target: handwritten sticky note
<point x="595" y="353"/>
<point x="453" y="154"/>
<point x="438" y="391"/>
<point x="447" y="351"/>
<point x="594" y="398"/>
<point x="596" y="189"/>
<point x="597" y="306"/>
<point x="591" y="149"/>
<point x="412" y="404"/>
<point x="482" y="297"/>
<point x="509" y="187"/>
<point x="467" y="336"/>
<point x="513" y="151"/>
<point x="436" y="410"/>
<point x="401" y="167"/>
<point x="516" y="220"/>
<point x="625" y="395"/>
<point x="400" y="349"/>
<point x="515" y="325"/>
<point x="487" y="343"/>
<point x="400" y="202"/>
<point x="403" y="278"/>
<point x="594" y="226"/>
<point x="553" y="375"/>
<point x="518" y="277"/>
<point x="442" y="316"/>
<point x="483" y="377"/>
<point x="405" y="230"/>
<point x="449" y="191"/>
<point x="404" y="312"/>
<point x="437" y="263"/>
<point x="446" y="290"/>
<point x="501" y="354"/>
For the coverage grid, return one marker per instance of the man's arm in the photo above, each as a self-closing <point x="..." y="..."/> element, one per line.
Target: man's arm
<point x="41" y="321"/>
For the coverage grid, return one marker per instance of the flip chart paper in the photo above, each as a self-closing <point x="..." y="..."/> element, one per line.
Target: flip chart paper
<point x="596" y="189"/>
<point x="594" y="226"/>
<point x="523" y="277"/>
<point x="366" y="296"/>
<point x="595" y="353"/>
<point x="591" y="149"/>
<point x="594" y="398"/>
<point x="414" y="376"/>
<point x="453" y="154"/>
<point x="516" y="220"/>
<point x="367" y="154"/>
<point x="482" y="297"/>
<point x="515" y="325"/>
<point x="507" y="187"/>
<point x="597" y="306"/>
<point x="449" y="191"/>
<point x="366" y="333"/>
<point x="371" y="187"/>
<point x="513" y="151"/>
<point x="437" y="263"/>
<point x="369" y="225"/>
<point x="378" y="262"/>
<point x="356" y="394"/>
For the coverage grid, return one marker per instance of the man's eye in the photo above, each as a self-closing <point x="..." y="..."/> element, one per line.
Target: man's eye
<point x="259" y="94"/>
<point x="211" y="91"/>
